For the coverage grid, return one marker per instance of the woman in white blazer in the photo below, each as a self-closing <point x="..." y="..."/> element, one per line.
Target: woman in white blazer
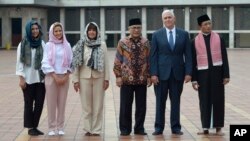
<point x="91" y="77"/>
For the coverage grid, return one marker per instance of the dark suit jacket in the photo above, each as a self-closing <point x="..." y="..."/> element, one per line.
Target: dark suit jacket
<point x="163" y="59"/>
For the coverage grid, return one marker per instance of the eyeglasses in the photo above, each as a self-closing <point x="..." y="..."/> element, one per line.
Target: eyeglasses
<point x="135" y="27"/>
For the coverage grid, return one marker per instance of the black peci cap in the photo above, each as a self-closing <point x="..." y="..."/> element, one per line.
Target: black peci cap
<point x="135" y="21"/>
<point x="202" y="18"/>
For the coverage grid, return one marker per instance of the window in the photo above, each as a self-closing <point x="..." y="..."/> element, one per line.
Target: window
<point x="132" y="13"/>
<point x="92" y="15"/>
<point x="154" y="19"/>
<point x="194" y="14"/>
<point x="225" y="37"/>
<point x="53" y="16"/>
<point x="180" y="17"/>
<point x="241" y="18"/>
<point x="72" y="19"/>
<point x="241" y="40"/>
<point x="220" y="18"/>
<point x="73" y="38"/>
<point x="113" y="19"/>
<point x="112" y="39"/>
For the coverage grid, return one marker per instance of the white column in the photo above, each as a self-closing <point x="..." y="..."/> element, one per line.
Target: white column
<point x="123" y="22"/>
<point x="25" y="19"/>
<point x="209" y="12"/>
<point x="187" y="19"/>
<point x="6" y="29"/>
<point x="62" y="17"/>
<point x="43" y="22"/>
<point x="102" y="24"/>
<point x="82" y="22"/>
<point x="231" y="27"/>
<point x="144" y="22"/>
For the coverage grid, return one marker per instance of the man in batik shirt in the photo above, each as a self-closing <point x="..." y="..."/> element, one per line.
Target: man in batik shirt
<point x="131" y="68"/>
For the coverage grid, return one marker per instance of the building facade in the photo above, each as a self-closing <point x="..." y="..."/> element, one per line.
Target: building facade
<point x="230" y="18"/>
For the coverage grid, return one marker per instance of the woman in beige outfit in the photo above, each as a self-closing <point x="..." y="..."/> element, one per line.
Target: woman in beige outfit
<point x="91" y="77"/>
<point x="56" y="64"/>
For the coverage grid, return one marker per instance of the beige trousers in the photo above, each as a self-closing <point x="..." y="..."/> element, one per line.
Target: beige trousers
<point x="56" y="96"/>
<point x="92" y="99"/>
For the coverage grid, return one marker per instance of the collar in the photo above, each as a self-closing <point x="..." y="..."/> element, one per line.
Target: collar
<point x="206" y="33"/>
<point x="132" y="39"/>
<point x="173" y="30"/>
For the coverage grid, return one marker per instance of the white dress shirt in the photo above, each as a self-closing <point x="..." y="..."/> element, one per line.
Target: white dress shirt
<point x="173" y="32"/>
<point x="29" y="73"/>
<point x="57" y="68"/>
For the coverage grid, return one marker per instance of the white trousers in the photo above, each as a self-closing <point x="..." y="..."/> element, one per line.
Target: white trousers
<point x="92" y="99"/>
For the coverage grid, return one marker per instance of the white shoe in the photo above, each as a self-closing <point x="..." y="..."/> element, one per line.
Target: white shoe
<point x="60" y="132"/>
<point x="52" y="133"/>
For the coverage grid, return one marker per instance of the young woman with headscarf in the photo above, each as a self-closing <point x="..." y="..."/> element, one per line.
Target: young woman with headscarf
<point x="91" y="77"/>
<point x="56" y="65"/>
<point x="28" y="68"/>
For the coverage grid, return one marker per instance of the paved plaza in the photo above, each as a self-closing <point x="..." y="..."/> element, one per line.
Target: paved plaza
<point x="237" y="107"/>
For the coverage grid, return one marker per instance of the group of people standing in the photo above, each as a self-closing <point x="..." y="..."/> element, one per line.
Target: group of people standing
<point x="44" y="69"/>
<point x="169" y="61"/>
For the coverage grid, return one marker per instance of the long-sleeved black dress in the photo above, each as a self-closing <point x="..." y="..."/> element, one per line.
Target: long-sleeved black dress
<point x="211" y="90"/>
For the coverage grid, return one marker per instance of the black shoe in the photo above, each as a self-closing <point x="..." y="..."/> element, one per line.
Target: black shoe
<point x="38" y="131"/>
<point x="140" y="133"/>
<point x="177" y="133"/>
<point x="124" y="133"/>
<point x="157" y="133"/>
<point x="33" y="132"/>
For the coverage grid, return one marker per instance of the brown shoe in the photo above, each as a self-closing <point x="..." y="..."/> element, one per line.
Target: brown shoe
<point x="95" y="134"/>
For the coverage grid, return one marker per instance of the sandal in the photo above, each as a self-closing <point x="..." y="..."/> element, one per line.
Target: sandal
<point x="219" y="132"/>
<point x="87" y="134"/>
<point x="204" y="132"/>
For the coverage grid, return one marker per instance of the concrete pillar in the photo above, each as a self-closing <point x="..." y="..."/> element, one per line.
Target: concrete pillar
<point x="102" y="24"/>
<point x="144" y="22"/>
<point x="43" y="22"/>
<point x="123" y="22"/>
<point x="82" y="22"/>
<point x="25" y="19"/>
<point x="6" y="28"/>
<point x="187" y="19"/>
<point x="209" y="12"/>
<point x="231" y="27"/>
<point x="62" y="17"/>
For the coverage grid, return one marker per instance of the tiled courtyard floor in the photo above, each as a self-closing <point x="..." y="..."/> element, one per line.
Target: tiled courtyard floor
<point x="11" y="107"/>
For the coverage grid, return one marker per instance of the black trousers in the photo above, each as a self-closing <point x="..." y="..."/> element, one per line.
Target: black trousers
<point x="126" y="101"/>
<point x="34" y="95"/>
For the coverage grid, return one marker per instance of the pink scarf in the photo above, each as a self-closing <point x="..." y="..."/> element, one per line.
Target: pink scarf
<point x="201" y="51"/>
<point x="52" y="41"/>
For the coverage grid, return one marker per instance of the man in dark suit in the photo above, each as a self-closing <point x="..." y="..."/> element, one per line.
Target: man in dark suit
<point x="170" y="67"/>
